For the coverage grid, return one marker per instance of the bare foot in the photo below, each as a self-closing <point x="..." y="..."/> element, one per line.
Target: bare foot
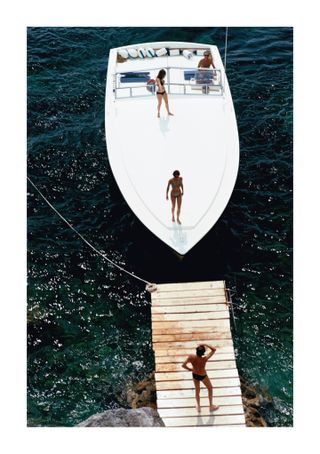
<point x="198" y="408"/>
<point x="214" y="407"/>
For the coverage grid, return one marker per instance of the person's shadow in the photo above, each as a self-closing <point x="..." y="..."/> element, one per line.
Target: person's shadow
<point x="164" y="125"/>
<point x="179" y="237"/>
<point x="209" y="422"/>
<point x="199" y="420"/>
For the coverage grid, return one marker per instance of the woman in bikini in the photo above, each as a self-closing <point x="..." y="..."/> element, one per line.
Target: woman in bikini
<point x="176" y="194"/>
<point x="161" y="92"/>
<point x="199" y="374"/>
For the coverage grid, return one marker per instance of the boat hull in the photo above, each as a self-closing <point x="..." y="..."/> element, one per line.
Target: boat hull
<point x="200" y="140"/>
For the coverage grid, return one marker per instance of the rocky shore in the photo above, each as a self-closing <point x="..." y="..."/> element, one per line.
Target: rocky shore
<point x="143" y="394"/>
<point x="141" y="398"/>
<point x="121" y="417"/>
<point x="253" y="400"/>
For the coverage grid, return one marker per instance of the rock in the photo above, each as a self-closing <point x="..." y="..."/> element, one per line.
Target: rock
<point x="131" y="395"/>
<point x="250" y="394"/>
<point x="151" y="387"/>
<point x="141" y="417"/>
<point x="143" y="394"/>
<point x="140" y="386"/>
<point x="252" y="400"/>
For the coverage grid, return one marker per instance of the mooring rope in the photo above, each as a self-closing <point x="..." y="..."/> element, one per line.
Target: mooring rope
<point x="150" y="286"/>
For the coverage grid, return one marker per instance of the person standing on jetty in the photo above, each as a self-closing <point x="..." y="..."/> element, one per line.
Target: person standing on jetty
<point x="199" y="373"/>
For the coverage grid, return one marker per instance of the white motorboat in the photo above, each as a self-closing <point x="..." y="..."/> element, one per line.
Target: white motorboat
<point x="200" y="140"/>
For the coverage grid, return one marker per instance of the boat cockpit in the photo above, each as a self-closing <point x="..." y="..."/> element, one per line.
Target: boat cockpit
<point x="135" y="77"/>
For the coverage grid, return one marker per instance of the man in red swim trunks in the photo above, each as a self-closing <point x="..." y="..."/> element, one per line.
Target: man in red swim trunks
<point x="199" y="374"/>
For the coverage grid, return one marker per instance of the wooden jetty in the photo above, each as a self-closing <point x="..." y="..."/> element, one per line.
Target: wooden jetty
<point x="184" y="315"/>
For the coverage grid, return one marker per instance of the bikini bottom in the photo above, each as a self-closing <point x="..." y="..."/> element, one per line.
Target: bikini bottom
<point x="198" y="377"/>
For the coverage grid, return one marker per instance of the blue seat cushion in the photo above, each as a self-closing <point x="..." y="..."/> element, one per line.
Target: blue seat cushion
<point x="134" y="77"/>
<point x="200" y="76"/>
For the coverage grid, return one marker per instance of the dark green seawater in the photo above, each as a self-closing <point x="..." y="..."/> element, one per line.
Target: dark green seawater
<point x="89" y="328"/>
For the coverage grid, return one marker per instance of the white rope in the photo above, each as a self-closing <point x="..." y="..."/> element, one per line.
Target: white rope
<point x="150" y="287"/>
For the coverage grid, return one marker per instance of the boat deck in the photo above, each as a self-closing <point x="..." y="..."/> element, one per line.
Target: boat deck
<point x="161" y="151"/>
<point x="184" y="315"/>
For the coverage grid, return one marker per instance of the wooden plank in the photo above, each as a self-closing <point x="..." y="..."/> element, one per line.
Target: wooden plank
<point x="176" y="367"/>
<point x="190" y="401"/>
<point x="190" y="285"/>
<point x="188" y="324"/>
<point x="211" y="420"/>
<point x="188" y="294"/>
<point x="167" y="321"/>
<point x="212" y="374"/>
<point x="217" y="357"/>
<point x="192" y="411"/>
<point x="192" y="345"/>
<point x="189" y="331"/>
<point x="188" y="300"/>
<point x="189" y="308"/>
<point x="234" y="425"/>
<point x="197" y="337"/>
<point x="217" y="325"/>
<point x="187" y="317"/>
<point x="169" y="394"/>
<point x="215" y="295"/>
<point x="188" y="384"/>
<point x="225" y="346"/>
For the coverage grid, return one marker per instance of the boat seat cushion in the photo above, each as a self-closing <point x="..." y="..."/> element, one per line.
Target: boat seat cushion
<point x="202" y="77"/>
<point x="134" y="77"/>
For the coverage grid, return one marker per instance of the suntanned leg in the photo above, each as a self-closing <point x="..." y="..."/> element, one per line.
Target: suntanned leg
<point x="159" y="104"/>
<point x="167" y="103"/>
<point x="206" y="381"/>
<point x="173" y="200"/>
<point x="197" y="389"/>
<point x="179" y="201"/>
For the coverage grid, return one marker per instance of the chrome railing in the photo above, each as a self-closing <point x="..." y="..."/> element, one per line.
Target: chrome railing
<point x="197" y="83"/>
